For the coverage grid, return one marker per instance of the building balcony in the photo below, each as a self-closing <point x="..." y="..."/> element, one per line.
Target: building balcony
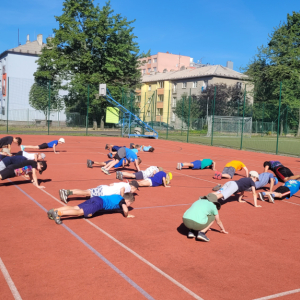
<point x="160" y="104"/>
<point x="160" y="91"/>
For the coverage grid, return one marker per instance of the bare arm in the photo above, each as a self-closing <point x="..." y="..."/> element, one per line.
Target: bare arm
<point x="34" y="180"/>
<point x="214" y="166"/>
<point x="9" y="147"/>
<point x="122" y="191"/>
<point x="54" y="150"/>
<point x="266" y="168"/>
<point x="246" y="170"/>
<point x="255" y="197"/>
<point x="272" y="184"/>
<point x="164" y="182"/>
<point x="125" y="211"/>
<point x="137" y="165"/>
<point x="35" y="157"/>
<point x="241" y="196"/>
<point x="220" y="224"/>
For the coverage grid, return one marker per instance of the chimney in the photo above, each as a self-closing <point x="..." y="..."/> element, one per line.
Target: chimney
<point x="229" y="64"/>
<point x="28" y="40"/>
<point x="40" y="39"/>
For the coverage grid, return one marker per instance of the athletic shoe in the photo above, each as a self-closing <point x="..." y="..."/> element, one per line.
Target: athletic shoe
<point x="218" y="175"/>
<point x="63" y="196"/>
<point x="179" y="166"/>
<point x="22" y="148"/>
<point x="271" y="199"/>
<point x="202" y="236"/>
<point x="109" y="155"/>
<point x="105" y="171"/>
<point x="121" y="176"/>
<point x="191" y="234"/>
<point x="261" y="196"/>
<point x="117" y="174"/>
<point x="89" y="163"/>
<point x="217" y="187"/>
<point x="54" y="216"/>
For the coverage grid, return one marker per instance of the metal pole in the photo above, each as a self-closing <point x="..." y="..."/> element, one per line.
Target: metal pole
<point x="286" y="120"/>
<point x="49" y="106"/>
<point x="187" y="137"/>
<point x="87" y="111"/>
<point x="182" y="114"/>
<point x="213" y="120"/>
<point x="278" y="125"/>
<point x="243" y="118"/>
<point x="168" y="115"/>
<point x="7" y="105"/>
<point x="262" y="123"/>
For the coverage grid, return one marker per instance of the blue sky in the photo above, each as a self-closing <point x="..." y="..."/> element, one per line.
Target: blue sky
<point x="211" y="31"/>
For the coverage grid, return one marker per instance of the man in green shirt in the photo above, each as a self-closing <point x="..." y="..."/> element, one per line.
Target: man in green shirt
<point x="205" y="163"/>
<point x="201" y="215"/>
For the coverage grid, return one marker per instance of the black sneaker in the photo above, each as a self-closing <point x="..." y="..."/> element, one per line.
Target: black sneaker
<point x="217" y="187"/>
<point x="54" y="216"/>
<point x="261" y="196"/>
<point x="202" y="236"/>
<point x="49" y="213"/>
<point x="89" y="163"/>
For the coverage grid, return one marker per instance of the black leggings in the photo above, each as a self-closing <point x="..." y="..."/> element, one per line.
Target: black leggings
<point x="7" y="173"/>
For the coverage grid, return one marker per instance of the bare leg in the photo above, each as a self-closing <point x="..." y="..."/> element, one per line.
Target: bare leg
<point x="188" y="165"/>
<point x="111" y="164"/>
<point x="69" y="211"/>
<point x="207" y="228"/>
<point x="144" y="183"/>
<point x="295" y="177"/>
<point x="126" y="174"/>
<point x="32" y="147"/>
<point x="81" y="192"/>
<point x="101" y="164"/>
<point x="226" y="176"/>
<point x="277" y="195"/>
<point x="219" y="195"/>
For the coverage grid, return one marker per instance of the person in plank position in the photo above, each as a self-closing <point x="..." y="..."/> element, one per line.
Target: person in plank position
<point x="122" y="163"/>
<point x="283" y="173"/>
<point x="239" y="186"/>
<point x="32" y="156"/>
<point x="122" y="153"/>
<point x="201" y="216"/>
<point x="6" y="142"/>
<point x="149" y="172"/>
<point x="93" y="205"/>
<point x="119" y="188"/>
<point x="160" y="178"/>
<point x="27" y="167"/>
<point x="287" y="190"/>
<point x="230" y="169"/>
<point x="52" y="144"/>
<point x="205" y="163"/>
<point x="142" y="148"/>
<point x="10" y="160"/>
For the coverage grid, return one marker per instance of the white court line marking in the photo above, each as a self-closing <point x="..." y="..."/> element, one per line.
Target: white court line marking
<point x="9" y="281"/>
<point x="137" y="255"/>
<point x="279" y="295"/>
<point x="290" y="202"/>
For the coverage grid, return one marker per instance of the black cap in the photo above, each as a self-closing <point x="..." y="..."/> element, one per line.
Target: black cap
<point x="134" y="183"/>
<point x="44" y="164"/>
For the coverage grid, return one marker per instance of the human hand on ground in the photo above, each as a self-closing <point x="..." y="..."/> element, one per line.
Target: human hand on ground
<point x="223" y="231"/>
<point x="130" y="216"/>
<point x="242" y="201"/>
<point x="257" y="205"/>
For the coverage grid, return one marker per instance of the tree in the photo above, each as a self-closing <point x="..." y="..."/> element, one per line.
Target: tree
<point x="90" y="46"/>
<point x="277" y="62"/>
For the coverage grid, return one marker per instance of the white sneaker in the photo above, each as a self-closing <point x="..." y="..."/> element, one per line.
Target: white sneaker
<point x="179" y="166"/>
<point x="271" y="199"/>
<point x="191" y="234"/>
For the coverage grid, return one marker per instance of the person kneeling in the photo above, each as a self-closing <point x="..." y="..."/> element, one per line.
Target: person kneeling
<point x="93" y="205"/>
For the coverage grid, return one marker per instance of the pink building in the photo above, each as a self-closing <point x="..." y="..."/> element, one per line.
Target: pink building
<point x="164" y="61"/>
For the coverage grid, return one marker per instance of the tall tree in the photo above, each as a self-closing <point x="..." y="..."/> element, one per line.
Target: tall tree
<point x="92" y="45"/>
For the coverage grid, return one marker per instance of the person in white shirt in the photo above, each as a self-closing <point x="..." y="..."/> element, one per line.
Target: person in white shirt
<point x="142" y="175"/>
<point x="119" y="188"/>
<point x="32" y="156"/>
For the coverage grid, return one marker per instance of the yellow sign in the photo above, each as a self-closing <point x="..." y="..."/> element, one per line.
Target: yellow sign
<point x="112" y="115"/>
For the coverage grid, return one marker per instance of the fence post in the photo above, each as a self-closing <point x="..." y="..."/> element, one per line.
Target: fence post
<point x="272" y="128"/>
<point x="87" y="111"/>
<point x="256" y="125"/>
<point x="262" y="123"/>
<point x="168" y="114"/>
<point x="49" y="105"/>
<point x="243" y="118"/>
<point x="7" y="105"/>
<point x="278" y="126"/>
<point x="182" y="117"/>
<point x="28" y="116"/>
<point x="213" y="120"/>
<point x="187" y="138"/>
<point x="286" y="120"/>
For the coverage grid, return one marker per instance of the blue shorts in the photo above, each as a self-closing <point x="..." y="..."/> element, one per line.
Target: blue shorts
<point x="116" y="148"/>
<point x="91" y="206"/>
<point x="197" y="164"/>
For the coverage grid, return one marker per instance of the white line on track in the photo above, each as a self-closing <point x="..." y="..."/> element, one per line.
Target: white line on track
<point x="279" y="295"/>
<point x="9" y="281"/>
<point x="137" y="255"/>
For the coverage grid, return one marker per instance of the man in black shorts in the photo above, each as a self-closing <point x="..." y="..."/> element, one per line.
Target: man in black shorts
<point x="283" y="173"/>
<point x="6" y="141"/>
<point x="26" y="168"/>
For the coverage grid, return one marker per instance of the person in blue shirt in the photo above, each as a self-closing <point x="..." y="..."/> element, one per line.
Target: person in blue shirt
<point x="205" y="163"/>
<point x="287" y="190"/>
<point x="142" y="148"/>
<point x="160" y="178"/>
<point x="51" y="144"/>
<point x="93" y="205"/>
<point x="123" y="153"/>
<point x="122" y="163"/>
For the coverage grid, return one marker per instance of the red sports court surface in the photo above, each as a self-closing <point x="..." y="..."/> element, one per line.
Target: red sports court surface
<point x="149" y="256"/>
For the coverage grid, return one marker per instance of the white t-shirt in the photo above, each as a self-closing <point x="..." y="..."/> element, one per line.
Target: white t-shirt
<point x="108" y="190"/>
<point x="29" y="156"/>
<point x="149" y="172"/>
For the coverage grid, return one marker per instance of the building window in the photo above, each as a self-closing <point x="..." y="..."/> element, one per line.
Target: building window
<point x="174" y="100"/>
<point x="149" y="70"/>
<point x="239" y="85"/>
<point x="194" y="84"/>
<point x="149" y="87"/>
<point x="144" y="71"/>
<point x="161" y="84"/>
<point x="149" y="61"/>
<point x="204" y="85"/>
<point x="148" y="113"/>
<point x="160" y="98"/>
<point x="138" y="99"/>
<point x="173" y="118"/>
<point x="174" y="87"/>
<point x="155" y="60"/>
<point x="184" y="85"/>
<point x="154" y="69"/>
<point x="159" y="111"/>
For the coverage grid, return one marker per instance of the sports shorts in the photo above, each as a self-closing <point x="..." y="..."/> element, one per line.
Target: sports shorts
<point x="97" y="192"/>
<point x="229" y="170"/>
<point x="7" y="173"/>
<point x="197" y="164"/>
<point x="150" y="181"/>
<point x="43" y="146"/>
<point x="91" y="206"/>
<point x="191" y="224"/>
<point x="282" y="173"/>
<point x="116" y="148"/>
<point x="120" y="154"/>
<point x="139" y="175"/>
<point x="283" y="190"/>
<point x="228" y="189"/>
